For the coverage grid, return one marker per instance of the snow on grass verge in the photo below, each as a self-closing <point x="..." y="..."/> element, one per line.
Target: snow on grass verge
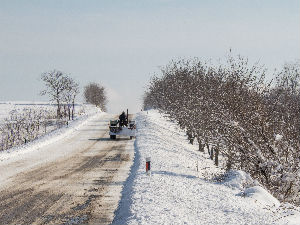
<point x="53" y="136"/>
<point x="176" y="193"/>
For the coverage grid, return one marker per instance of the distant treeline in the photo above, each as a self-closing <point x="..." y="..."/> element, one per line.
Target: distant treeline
<point x="231" y="107"/>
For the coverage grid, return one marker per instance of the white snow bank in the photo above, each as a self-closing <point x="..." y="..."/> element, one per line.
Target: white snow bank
<point x="53" y="136"/>
<point x="250" y="188"/>
<point x="239" y="179"/>
<point x="176" y="193"/>
<point x="261" y="195"/>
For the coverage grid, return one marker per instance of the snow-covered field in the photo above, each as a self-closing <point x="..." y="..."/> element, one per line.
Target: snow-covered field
<point x="175" y="193"/>
<point x="7" y="107"/>
<point x="84" y="113"/>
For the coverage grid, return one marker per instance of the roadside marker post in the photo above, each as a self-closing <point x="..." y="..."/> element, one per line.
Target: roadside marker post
<point x="148" y="165"/>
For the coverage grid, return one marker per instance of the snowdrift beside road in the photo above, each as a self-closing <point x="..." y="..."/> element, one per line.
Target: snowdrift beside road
<point x="176" y="193"/>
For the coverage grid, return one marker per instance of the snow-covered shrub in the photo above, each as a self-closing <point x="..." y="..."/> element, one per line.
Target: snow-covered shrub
<point x="24" y="126"/>
<point x="254" y="124"/>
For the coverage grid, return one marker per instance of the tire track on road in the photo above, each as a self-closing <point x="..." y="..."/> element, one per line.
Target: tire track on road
<point x="71" y="190"/>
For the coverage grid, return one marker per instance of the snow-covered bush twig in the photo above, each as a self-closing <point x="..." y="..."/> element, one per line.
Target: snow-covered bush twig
<point x="24" y="126"/>
<point x="255" y="124"/>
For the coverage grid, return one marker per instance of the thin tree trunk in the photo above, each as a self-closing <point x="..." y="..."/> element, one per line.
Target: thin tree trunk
<point x="58" y="109"/>
<point x="217" y="156"/>
<point x="69" y="112"/>
<point x="201" y="146"/>
<point x="73" y="110"/>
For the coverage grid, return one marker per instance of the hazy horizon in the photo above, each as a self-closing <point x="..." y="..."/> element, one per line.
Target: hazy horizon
<point x="121" y="44"/>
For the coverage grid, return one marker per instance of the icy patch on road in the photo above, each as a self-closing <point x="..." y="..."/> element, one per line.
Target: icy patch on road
<point x="176" y="193"/>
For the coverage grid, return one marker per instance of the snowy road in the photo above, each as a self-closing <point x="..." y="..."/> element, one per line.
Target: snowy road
<point x="75" y="180"/>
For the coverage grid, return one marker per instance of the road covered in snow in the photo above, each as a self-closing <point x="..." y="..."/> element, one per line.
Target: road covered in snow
<point x="71" y="176"/>
<point x="176" y="193"/>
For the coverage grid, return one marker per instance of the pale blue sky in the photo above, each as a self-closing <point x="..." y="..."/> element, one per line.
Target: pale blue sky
<point x="120" y="44"/>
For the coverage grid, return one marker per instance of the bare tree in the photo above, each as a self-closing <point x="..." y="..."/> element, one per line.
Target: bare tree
<point x="62" y="89"/>
<point x="69" y="95"/>
<point x="56" y="83"/>
<point x="95" y="94"/>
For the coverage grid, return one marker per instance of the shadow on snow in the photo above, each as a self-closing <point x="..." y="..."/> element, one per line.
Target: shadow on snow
<point x="122" y="213"/>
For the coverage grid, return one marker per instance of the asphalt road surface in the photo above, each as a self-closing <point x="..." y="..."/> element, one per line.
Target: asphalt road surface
<point x="76" y="180"/>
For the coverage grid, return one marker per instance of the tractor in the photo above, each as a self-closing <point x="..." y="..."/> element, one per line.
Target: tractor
<point x="122" y="127"/>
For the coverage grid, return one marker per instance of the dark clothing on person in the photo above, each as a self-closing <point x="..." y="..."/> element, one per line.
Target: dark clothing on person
<point x="122" y="119"/>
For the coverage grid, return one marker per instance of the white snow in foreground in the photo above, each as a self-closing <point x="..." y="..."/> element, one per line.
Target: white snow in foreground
<point x="176" y="193"/>
<point x="51" y="137"/>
